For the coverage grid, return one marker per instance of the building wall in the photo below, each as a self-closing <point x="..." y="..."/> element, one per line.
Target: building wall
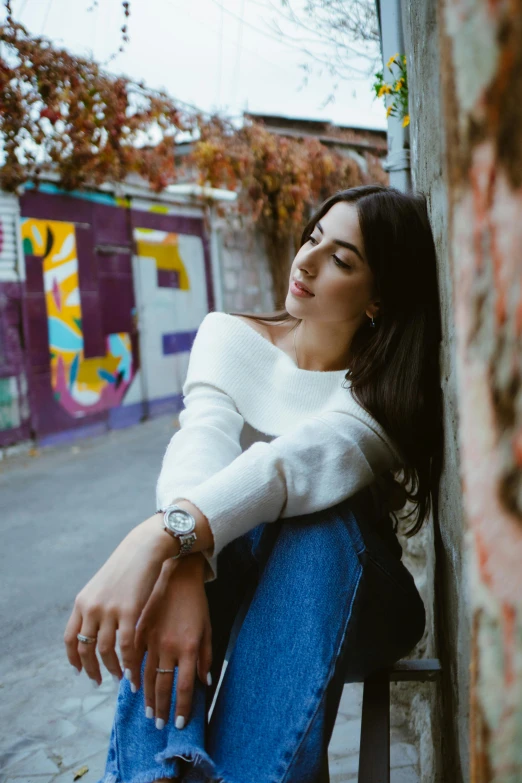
<point x="246" y="279"/>
<point x="113" y="294"/>
<point x="427" y="141"/>
<point x="481" y="63"/>
<point x="14" y="407"/>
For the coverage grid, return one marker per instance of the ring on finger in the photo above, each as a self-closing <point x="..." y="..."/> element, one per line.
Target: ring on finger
<point x="86" y="639"/>
<point x="165" y="671"/>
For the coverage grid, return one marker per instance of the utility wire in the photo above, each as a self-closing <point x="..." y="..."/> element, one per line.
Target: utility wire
<point x="238" y="56"/>
<point x="253" y="52"/>
<point x="220" y="59"/>
<point x="46" y="16"/>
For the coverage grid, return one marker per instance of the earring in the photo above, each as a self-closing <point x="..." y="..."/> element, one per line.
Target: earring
<point x="372" y="324"/>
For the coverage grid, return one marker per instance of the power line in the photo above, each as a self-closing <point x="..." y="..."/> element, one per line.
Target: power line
<point x="46" y="16"/>
<point x="238" y="56"/>
<point x="220" y="59"/>
<point x="276" y="38"/>
<point x="200" y="21"/>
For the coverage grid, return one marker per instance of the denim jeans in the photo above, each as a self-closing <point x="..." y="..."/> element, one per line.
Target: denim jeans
<point x="329" y="601"/>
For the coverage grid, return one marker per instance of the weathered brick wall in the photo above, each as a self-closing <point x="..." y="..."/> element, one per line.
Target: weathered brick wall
<point x="481" y="62"/>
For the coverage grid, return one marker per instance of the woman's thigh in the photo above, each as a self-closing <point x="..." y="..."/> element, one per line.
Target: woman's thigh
<point x="332" y="601"/>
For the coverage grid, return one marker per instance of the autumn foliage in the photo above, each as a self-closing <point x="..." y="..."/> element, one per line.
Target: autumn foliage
<point x="279" y="180"/>
<point x="64" y="114"/>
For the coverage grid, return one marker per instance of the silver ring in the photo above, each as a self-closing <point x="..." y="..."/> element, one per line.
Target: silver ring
<point x="86" y="639"/>
<point x="165" y="671"/>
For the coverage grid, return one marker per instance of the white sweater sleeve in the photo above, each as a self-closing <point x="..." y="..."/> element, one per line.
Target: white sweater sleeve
<point x="210" y="427"/>
<point x="323" y="461"/>
<point x="208" y="440"/>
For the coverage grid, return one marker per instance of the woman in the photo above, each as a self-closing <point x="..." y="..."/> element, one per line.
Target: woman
<point x="281" y="478"/>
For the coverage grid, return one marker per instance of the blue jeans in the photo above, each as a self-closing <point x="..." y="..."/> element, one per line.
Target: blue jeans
<point x="331" y="601"/>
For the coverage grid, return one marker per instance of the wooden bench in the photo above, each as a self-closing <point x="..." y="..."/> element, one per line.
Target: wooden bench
<point x="374" y="753"/>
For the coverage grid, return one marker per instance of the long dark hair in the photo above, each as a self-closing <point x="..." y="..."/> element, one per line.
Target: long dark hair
<point x="394" y="368"/>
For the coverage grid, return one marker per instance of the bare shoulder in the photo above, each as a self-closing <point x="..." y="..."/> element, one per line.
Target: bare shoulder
<point x="273" y="331"/>
<point x="257" y="325"/>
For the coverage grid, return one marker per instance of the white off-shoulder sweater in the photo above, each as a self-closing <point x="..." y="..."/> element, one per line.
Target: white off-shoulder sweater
<point x="261" y="439"/>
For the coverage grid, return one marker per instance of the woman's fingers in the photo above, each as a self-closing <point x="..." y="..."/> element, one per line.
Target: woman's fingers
<point x="87" y="652"/>
<point x="149" y="682"/>
<point x="185" y="689"/>
<point x="163" y="690"/>
<point x="205" y="656"/>
<point x="71" y="640"/>
<point x="129" y="656"/>
<point x="107" y="647"/>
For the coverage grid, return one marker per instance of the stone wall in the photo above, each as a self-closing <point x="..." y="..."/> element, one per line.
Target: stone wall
<point x="481" y="65"/>
<point x="246" y="280"/>
<point x="421" y="29"/>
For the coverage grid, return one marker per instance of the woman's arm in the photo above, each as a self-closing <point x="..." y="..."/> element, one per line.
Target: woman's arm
<point x="325" y="460"/>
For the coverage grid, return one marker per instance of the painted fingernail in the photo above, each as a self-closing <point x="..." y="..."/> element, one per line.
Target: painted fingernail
<point x="209" y="679"/>
<point x="180" y="722"/>
<point x="149" y="712"/>
<point x="160" y="723"/>
<point x="116" y="679"/>
<point x="128" y="674"/>
<point x="94" y="683"/>
<point x="133" y="688"/>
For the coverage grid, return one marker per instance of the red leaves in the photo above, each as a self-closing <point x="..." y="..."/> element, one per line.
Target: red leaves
<point x="62" y="113"/>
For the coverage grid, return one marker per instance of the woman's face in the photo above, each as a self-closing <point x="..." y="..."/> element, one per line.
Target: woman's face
<point x="333" y="266"/>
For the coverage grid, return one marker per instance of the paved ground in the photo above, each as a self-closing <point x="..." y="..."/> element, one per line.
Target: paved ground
<point x="61" y="514"/>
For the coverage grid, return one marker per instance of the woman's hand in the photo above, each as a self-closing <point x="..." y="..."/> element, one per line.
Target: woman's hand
<point x="175" y="630"/>
<point x="114" y="600"/>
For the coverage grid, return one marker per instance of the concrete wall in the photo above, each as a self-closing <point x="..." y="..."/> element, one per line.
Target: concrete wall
<point x="247" y="283"/>
<point x="427" y="140"/>
<point x="481" y="61"/>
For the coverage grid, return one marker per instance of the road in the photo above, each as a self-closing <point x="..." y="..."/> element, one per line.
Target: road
<point x="62" y="512"/>
<point x="61" y="515"/>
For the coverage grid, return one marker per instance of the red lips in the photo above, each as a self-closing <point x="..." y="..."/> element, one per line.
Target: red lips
<point x="302" y="286"/>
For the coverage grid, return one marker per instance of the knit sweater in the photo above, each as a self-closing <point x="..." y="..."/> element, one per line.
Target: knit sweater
<point x="261" y="439"/>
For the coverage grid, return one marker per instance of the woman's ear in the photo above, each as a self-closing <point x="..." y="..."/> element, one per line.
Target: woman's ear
<point x="374" y="309"/>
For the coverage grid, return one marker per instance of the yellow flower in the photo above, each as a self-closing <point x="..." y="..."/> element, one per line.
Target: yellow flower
<point x="384" y="90"/>
<point x="389" y="110"/>
<point x="406" y="120"/>
<point x="392" y="60"/>
<point x="399" y="84"/>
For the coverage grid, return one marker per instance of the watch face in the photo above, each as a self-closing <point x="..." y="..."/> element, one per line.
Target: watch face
<point x="179" y="523"/>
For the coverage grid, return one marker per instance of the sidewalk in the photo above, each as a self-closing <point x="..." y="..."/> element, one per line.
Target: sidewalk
<point x="55" y="723"/>
<point x="61" y="516"/>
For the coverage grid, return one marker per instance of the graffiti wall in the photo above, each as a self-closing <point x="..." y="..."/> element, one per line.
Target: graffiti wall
<point x="113" y="298"/>
<point x="170" y="276"/>
<point x="80" y="385"/>
<point x="14" y="406"/>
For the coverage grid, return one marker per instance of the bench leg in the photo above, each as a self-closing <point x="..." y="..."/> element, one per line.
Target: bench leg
<point x="374" y="754"/>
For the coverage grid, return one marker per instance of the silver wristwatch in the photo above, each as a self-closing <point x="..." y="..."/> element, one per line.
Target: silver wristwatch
<point x="180" y="524"/>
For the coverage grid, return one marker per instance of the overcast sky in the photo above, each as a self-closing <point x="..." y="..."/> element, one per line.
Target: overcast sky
<point x="204" y="55"/>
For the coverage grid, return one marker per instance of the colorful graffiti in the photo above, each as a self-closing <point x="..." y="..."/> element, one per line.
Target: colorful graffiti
<point x="81" y="386"/>
<point x="163" y="247"/>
